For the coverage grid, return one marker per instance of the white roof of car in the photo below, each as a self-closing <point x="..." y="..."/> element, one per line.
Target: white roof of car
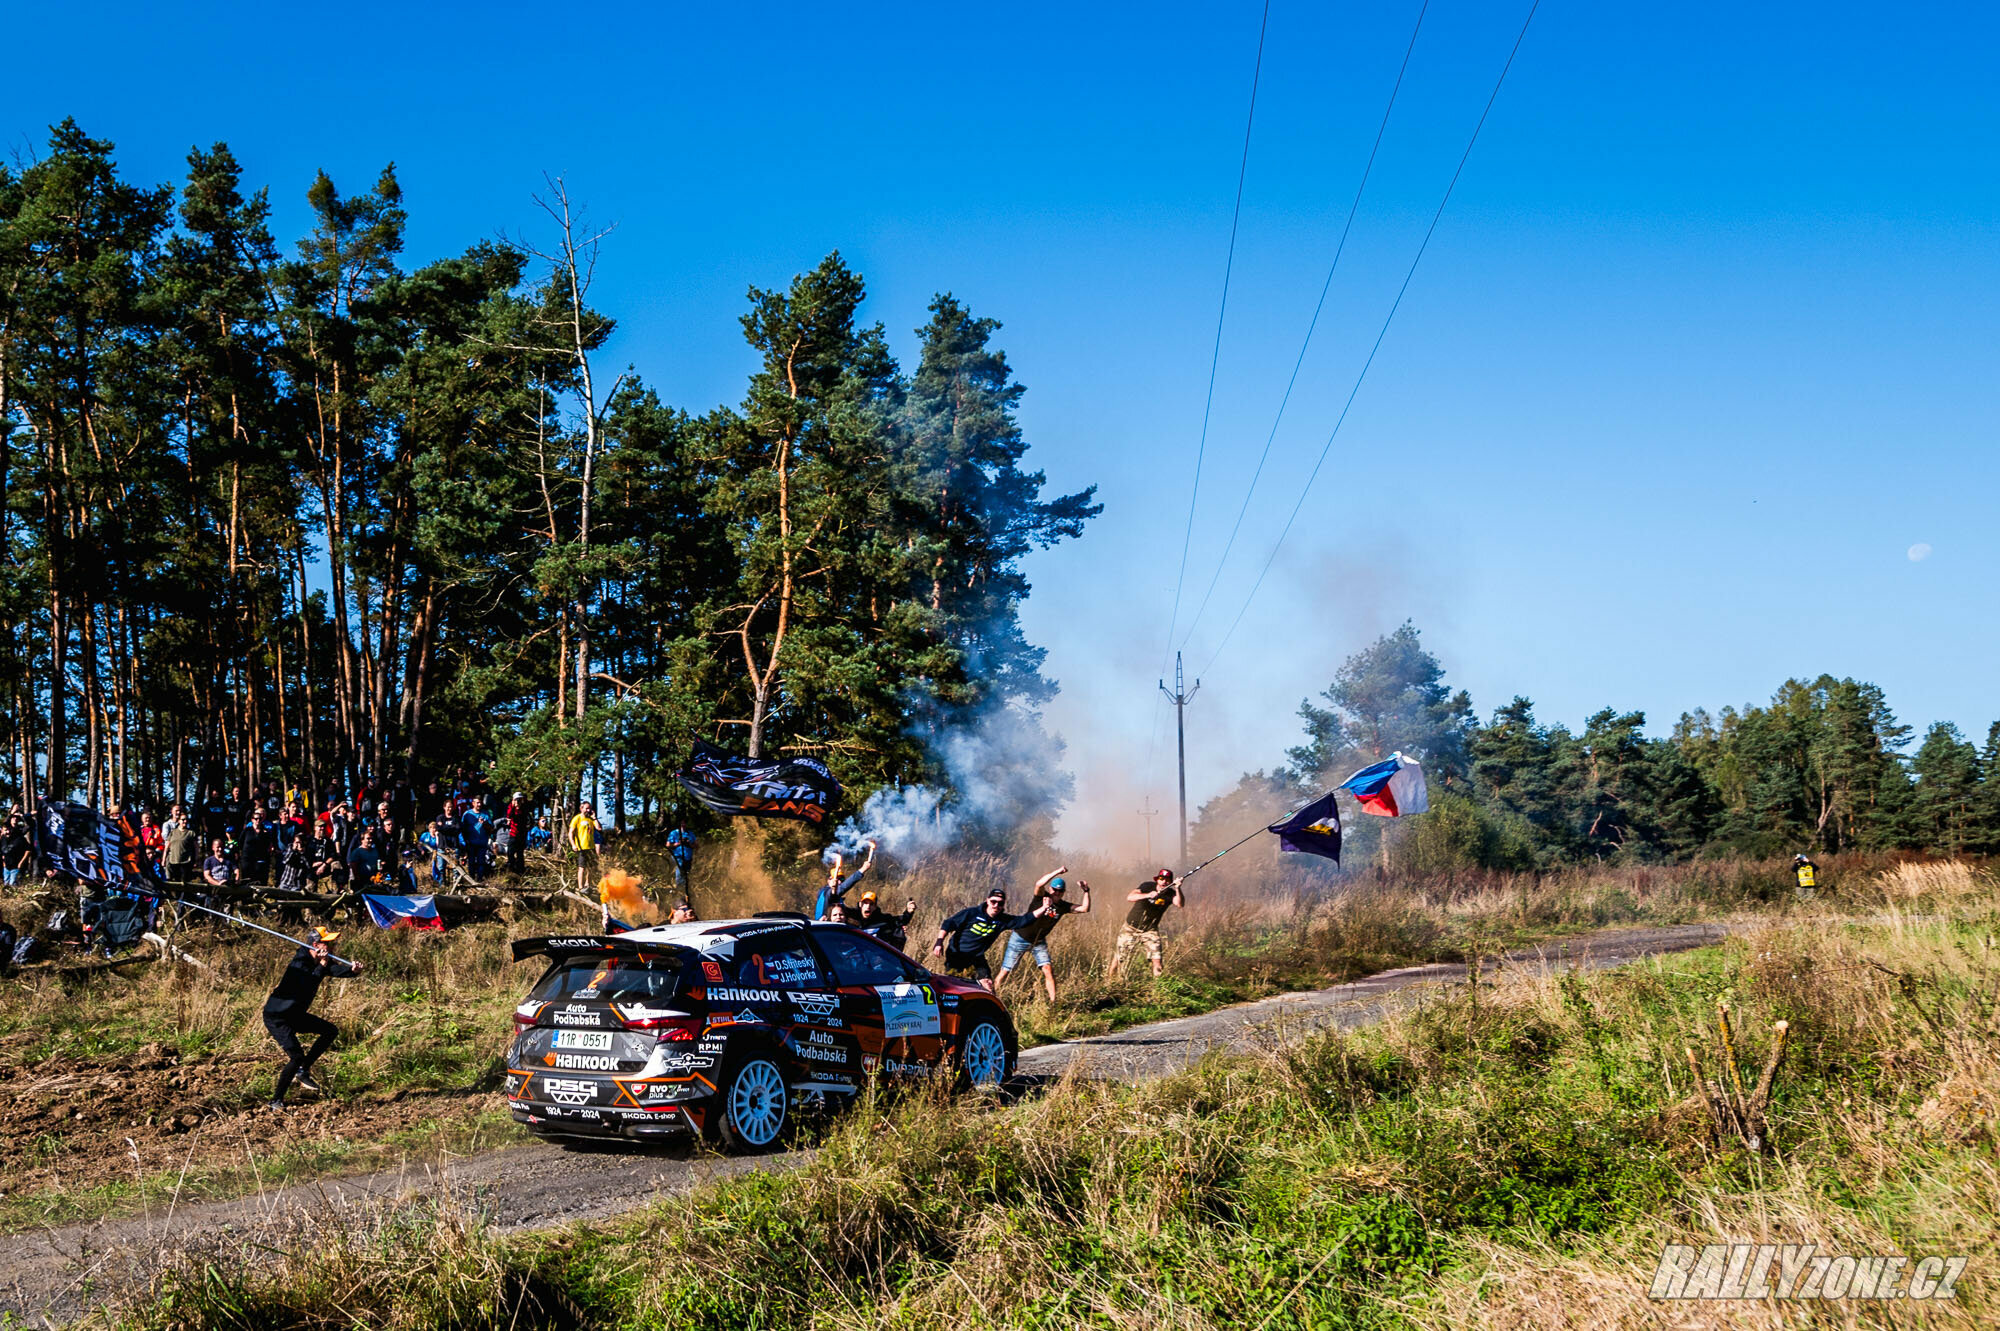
<point x="703" y="935"/>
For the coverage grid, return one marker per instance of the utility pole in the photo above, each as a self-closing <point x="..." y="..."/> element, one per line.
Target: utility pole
<point x="1149" y="813"/>
<point x="1180" y="697"/>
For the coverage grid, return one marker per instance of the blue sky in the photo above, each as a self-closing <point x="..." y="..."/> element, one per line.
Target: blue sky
<point x="1703" y="345"/>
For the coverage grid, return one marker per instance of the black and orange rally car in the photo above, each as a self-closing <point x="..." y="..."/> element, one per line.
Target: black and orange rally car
<point x="728" y="1028"/>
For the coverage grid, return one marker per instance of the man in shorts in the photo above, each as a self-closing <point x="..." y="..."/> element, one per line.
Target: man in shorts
<point x="582" y="837"/>
<point x="1150" y="901"/>
<point x="1030" y="932"/>
<point x="972" y="932"/>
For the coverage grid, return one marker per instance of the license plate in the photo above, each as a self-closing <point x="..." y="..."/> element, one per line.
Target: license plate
<point x="599" y="1040"/>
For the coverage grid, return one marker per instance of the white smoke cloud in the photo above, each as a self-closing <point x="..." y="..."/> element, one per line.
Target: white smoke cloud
<point x="1001" y="771"/>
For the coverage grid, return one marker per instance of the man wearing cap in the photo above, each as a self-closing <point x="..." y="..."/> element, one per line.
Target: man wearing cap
<point x="971" y="932"/>
<point x="1030" y="932"/>
<point x="872" y="919"/>
<point x="1150" y="901"/>
<point x="287" y="1011"/>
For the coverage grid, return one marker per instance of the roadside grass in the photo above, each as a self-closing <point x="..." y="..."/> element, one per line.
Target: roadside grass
<point x="163" y="1179"/>
<point x="1507" y="1155"/>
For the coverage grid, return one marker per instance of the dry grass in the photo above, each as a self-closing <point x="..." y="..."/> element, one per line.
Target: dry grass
<point x="1511" y="1158"/>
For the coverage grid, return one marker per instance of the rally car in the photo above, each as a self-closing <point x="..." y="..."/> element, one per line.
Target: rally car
<point x="728" y="1028"/>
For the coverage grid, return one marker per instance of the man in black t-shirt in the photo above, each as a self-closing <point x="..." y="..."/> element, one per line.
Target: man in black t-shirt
<point x="215" y="818"/>
<point x="17" y="847"/>
<point x="1030" y="932"/>
<point x="1150" y="902"/>
<point x="972" y="932"/>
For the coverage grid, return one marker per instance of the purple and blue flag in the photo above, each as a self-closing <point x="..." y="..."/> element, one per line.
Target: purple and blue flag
<point x="1314" y="829"/>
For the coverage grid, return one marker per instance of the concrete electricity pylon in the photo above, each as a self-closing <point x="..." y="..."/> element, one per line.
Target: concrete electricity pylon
<point x="1180" y="697"/>
<point x="1149" y="813"/>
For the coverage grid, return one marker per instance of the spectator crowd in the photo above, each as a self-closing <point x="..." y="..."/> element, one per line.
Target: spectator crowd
<point x="380" y="836"/>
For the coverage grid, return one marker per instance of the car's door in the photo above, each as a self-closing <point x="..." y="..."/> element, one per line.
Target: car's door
<point x="808" y="1011"/>
<point x="890" y="1003"/>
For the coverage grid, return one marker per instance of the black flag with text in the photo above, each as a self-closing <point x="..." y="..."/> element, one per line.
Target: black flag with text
<point x="799" y="788"/>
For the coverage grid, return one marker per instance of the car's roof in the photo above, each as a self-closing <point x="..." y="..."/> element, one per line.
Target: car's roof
<point x="705" y="935"/>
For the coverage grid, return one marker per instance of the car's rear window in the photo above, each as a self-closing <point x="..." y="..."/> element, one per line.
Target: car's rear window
<point x="612" y="979"/>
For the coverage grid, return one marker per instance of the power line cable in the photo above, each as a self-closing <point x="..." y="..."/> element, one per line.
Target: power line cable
<point x="1393" y="307"/>
<point x="1214" y="358"/>
<point x="1325" y="287"/>
<point x="1215" y="354"/>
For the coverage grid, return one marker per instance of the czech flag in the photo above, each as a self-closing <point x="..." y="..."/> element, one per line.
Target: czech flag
<point x="403" y="912"/>
<point x="1390" y="788"/>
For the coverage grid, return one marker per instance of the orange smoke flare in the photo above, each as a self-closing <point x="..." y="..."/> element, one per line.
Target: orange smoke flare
<point x="619" y="891"/>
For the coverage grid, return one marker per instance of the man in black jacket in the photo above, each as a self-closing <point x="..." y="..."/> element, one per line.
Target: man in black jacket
<point x="891" y="929"/>
<point x="256" y="849"/>
<point x="287" y="1011"/>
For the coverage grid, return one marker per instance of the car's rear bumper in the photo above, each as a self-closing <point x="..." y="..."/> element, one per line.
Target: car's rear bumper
<point x="582" y="1104"/>
<point x="614" y="1124"/>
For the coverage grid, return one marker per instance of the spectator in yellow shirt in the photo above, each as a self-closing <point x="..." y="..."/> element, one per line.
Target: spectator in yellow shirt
<point x="583" y="844"/>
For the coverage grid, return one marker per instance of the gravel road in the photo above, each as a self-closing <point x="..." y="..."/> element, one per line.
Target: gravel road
<point x="54" y="1275"/>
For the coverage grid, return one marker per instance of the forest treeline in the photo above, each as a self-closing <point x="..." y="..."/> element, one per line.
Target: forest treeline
<point x="1824" y="767"/>
<point x="314" y="513"/>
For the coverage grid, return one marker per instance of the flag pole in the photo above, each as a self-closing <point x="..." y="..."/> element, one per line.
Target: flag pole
<point x="1219" y="854"/>
<point x="237" y="919"/>
<point x="1246" y="840"/>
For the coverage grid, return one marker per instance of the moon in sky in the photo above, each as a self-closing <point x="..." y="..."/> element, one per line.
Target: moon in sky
<point x="1920" y="552"/>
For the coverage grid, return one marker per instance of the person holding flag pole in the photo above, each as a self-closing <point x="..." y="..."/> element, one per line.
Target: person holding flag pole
<point x="287" y="1011"/>
<point x="77" y="838"/>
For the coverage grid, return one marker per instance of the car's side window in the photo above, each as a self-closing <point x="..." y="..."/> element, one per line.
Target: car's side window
<point x="859" y="960"/>
<point x="784" y="962"/>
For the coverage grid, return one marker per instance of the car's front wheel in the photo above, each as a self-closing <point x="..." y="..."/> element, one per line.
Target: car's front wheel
<point x="983" y="1057"/>
<point x="756" y="1108"/>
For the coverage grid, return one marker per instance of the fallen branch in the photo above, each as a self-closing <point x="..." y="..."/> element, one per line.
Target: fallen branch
<point x="1735" y="1111"/>
<point x="168" y="950"/>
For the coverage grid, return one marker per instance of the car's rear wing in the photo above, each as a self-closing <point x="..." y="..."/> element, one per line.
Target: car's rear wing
<point x="592" y="945"/>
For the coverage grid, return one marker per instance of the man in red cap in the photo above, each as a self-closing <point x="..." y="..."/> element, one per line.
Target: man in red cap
<point x="1150" y="902"/>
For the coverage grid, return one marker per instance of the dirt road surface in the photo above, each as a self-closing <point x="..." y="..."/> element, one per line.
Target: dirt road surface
<point x="54" y="1275"/>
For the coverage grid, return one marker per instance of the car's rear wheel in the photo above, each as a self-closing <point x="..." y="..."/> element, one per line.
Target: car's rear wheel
<point x="983" y="1057"/>
<point x="756" y="1106"/>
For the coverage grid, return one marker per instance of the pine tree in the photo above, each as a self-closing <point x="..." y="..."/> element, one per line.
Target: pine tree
<point x="1389" y="697"/>
<point x="1944" y="805"/>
